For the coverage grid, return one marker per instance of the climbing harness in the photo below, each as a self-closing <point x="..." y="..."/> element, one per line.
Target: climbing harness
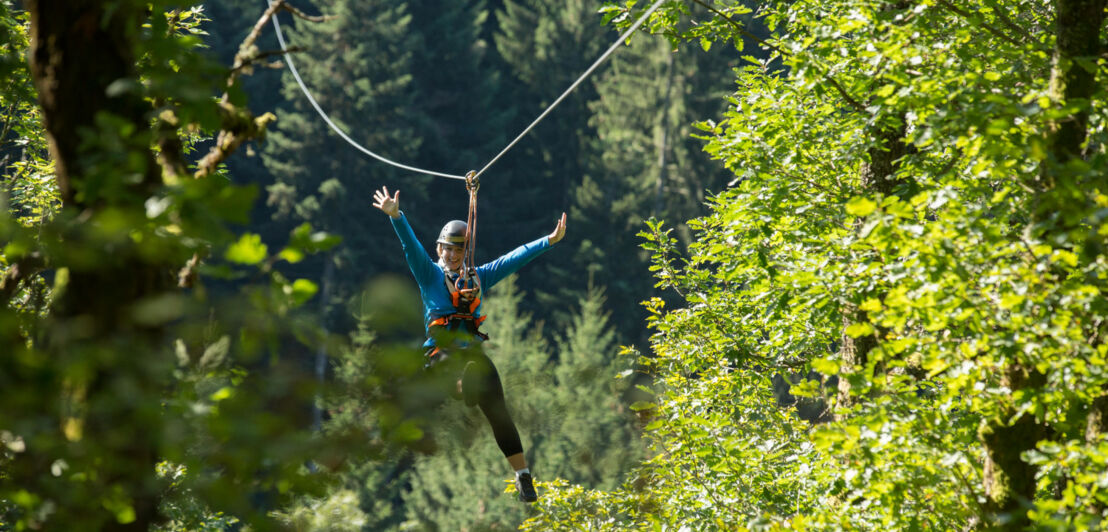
<point x="296" y="74"/>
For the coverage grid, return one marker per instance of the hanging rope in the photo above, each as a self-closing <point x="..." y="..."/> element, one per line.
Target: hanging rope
<point x="469" y="267"/>
<point x="304" y="89"/>
<point x="611" y="49"/>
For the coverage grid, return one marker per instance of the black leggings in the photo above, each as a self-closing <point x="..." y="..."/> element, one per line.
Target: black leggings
<point x="481" y="387"/>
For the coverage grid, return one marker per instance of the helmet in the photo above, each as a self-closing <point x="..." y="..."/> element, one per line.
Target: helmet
<point x="453" y="233"/>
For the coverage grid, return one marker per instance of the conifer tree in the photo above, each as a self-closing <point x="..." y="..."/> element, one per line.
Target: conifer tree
<point x="358" y="67"/>
<point x="548" y="44"/>
<point x="649" y="164"/>
<point x="594" y="442"/>
<point x="462" y="117"/>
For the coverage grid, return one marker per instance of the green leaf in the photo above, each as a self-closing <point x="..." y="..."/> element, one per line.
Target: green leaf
<point x="859" y="329"/>
<point x="860" y="206"/>
<point x="248" y="250"/>
<point x="826" y="366"/>
<point x="304" y="240"/>
<point x="221" y="394"/>
<point x="125" y="514"/>
<point x="291" y="255"/>
<point x="1066" y="257"/>
<point x="642" y="405"/>
<point x="301" y="291"/>
<point x="1010" y="300"/>
<point x="870" y="305"/>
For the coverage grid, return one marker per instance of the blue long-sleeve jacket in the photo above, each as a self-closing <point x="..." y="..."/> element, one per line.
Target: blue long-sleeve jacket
<point x="431" y="279"/>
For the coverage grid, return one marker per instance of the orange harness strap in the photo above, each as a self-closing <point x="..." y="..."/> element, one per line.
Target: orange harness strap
<point x="443" y="321"/>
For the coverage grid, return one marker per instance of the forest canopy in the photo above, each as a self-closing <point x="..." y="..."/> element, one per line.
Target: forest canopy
<point x="829" y="265"/>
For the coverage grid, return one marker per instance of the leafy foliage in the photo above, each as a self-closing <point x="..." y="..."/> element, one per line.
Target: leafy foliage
<point x="952" y="334"/>
<point x="116" y="369"/>
<point x="567" y="412"/>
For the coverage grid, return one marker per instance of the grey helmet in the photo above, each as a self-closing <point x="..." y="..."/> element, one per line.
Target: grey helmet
<point x="453" y="233"/>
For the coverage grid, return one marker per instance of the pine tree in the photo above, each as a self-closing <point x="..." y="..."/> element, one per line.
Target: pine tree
<point x="649" y="164"/>
<point x="462" y="118"/>
<point x="548" y="44"/>
<point x="367" y="398"/>
<point x="594" y="442"/>
<point x="358" y="67"/>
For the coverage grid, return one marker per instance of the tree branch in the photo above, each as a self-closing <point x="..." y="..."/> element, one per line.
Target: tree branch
<point x="969" y="16"/>
<point x="827" y="76"/>
<point x="246" y="54"/>
<point x="248" y="62"/>
<point x="7" y="123"/>
<point x="738" y="27"/>
<point x="1003" y="17"/>
<point x="171" y="152"/>
<point x="238" y="126"/>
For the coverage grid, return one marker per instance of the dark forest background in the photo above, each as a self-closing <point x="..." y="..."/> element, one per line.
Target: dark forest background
<point x="445" y="87"/>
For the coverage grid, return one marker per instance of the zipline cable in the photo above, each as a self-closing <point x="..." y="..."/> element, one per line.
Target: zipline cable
<point x="296" y="74"/>
<point x="595" y="64"/>
<point x="304" y="88"/>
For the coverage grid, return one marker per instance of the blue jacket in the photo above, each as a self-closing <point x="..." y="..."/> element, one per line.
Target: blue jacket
<point x="432" y="280"/>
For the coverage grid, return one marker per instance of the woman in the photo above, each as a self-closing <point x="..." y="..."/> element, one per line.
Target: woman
<point x="452" y="316"/>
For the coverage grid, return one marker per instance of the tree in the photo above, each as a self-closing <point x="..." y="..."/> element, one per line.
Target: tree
<point x="593" y="440"/>
<point x="358" y="67"/>
<point x="129" y="368"/>
<point x="462" y="117"/>
<point x="30" y="192"/>
<point x="648" y="164"/>
<point x="547" y="45"/>
<point x="897" y="224"/>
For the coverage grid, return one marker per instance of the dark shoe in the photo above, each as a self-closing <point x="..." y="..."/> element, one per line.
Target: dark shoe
<point x="525" y="488"/>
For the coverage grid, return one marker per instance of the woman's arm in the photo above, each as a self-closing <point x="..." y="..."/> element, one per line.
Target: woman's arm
<point x="419" y="262"/>
<point x="511" y="262"/>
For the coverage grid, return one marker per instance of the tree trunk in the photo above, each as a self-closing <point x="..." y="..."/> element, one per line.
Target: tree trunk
<point x="78" y="49"/>
<point x="1009" y="480"/>
<point x="82" y="61"/>
<point x="878" y="176"/>
<point x="1077" y="31"/>
<point x="321" y="352"/>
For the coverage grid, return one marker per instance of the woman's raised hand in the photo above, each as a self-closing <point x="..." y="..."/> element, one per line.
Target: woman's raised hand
<point x="390" y="206"/>
<point x="559" y="231"/>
